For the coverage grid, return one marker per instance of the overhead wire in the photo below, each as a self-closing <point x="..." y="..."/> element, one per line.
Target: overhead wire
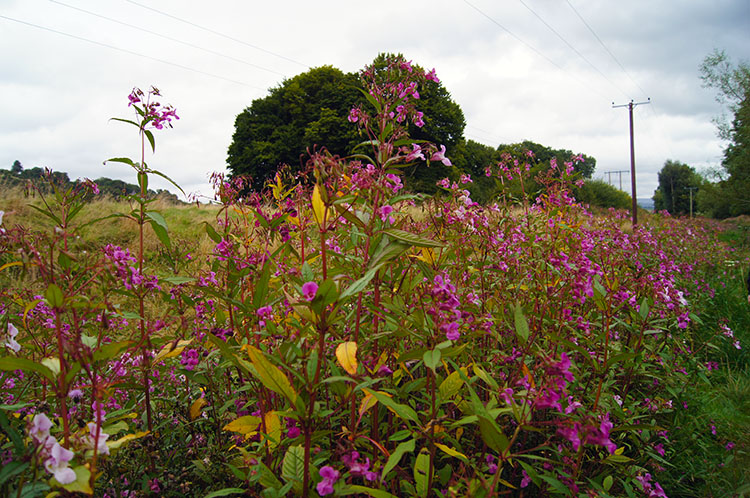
<point x="605" y="46"/>
<point x="192" y="45"/>
<point x="131" y="52"/>
<point x="561" y="37"/>
<point x="217" y="33"/>
<point x="532" y="48"/>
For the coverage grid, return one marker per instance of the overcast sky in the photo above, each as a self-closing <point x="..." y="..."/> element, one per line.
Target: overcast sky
<point x="519" y="69"/>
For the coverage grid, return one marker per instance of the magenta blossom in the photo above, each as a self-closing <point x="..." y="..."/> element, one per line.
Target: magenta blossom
<point x="309" y="290"/>
<point x="330" y="476"/>
<point x="440" y="156"/>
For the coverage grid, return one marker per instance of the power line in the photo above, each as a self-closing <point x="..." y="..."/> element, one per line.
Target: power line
<point x="217" y="33"/>
<point x="167" y="37"/>
<point x="540" y="54"/>
<point x="605" y="47"/>
<point x="119" y="49"/>
<point x="572" y="47"/>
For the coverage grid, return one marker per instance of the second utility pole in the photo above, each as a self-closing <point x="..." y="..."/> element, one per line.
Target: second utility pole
<point x="630" y="106"/>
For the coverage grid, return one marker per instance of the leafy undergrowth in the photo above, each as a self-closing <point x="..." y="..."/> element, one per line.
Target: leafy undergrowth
<point x="342" y="337"/>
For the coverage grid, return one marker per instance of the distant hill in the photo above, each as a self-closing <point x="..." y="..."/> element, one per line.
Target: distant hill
<point x="646" y="203"/>
<point x="19" y="177"/>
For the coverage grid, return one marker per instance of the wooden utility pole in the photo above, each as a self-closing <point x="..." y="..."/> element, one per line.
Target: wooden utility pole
<point x="691" y="199"/>
<point x="619" y="174"/>
<point x="630" y="105"/>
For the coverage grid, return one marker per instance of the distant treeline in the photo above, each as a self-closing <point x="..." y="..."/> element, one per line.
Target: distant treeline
<point x="17" y="176"/>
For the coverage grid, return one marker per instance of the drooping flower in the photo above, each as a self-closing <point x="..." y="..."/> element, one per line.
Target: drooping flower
<point x="10" y="338"/>
<point x="40" y="426"/>
<point x="91" y="440"/>
<point x="440" y="156"/>
<point x="57" y="464"/>
<point x="330" y="476"/>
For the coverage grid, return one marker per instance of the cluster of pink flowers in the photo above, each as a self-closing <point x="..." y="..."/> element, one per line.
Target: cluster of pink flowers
<point x="579" y="434"/>
<point x="55" y="456"/>
<point x="447" y="314"/>
<point x="154" y="114"/>
<point x="130" y="276"/>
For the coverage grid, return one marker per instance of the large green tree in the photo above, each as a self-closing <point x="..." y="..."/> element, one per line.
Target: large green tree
<point x="678" y="184"/>
<point x="311" y="109"/>
<point x="731" y="195"/>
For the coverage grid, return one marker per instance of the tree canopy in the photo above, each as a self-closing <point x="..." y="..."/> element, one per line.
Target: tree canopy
<point x="311" y="109"/>
<point x="678" y="183"/>
<point x="731" y="195"/>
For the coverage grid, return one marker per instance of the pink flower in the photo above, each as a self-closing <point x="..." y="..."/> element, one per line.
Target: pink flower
<point x="440" y="156"/>
<point x="416" y="153"/>
<point x="10" y="338"/>
<point x="432" y="76"/>
<point x="57" y="464"/>
<point x="309" y="289"/>
<point x="40" y="426"/>
<point x="101" y="442"/>
<point x="330" y="476"/>
<point x="385" y="212"/>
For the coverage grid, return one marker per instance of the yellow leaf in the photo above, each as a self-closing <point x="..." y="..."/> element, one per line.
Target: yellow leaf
<point x="273" y="428"/>
<point x="13" y="263"/>
<point x="171" y="350"/>
<point x="196" y="407"/>
<point x="346" y="353"/>
<point x="319" y="208"/>
<point x="124" y="439"/>
<point x="526" y="371"/>
<point x="450" y="451"/>
<point x="244" y="425"/>
<point x="367" y="402"/>
<point x="459" y="433"/>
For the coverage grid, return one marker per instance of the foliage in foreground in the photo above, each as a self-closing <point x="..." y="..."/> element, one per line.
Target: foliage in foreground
<point x="339" y="341"/>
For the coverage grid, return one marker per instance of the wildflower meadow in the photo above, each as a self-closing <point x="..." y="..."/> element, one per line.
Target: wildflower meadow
<point x="332" y="334"/>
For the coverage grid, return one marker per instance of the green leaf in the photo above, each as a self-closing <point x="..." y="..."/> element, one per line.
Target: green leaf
<point x="450" y="386"/>
<point x="159" y="224"/>
<point x="292" y="469"/>
<point x="271" y="377"/>
<point x="212" y="233"/>
<point x="109" y="351"/>
<point x="225" y="492"/>
<point x="607" y="483"/>
<point x="9" y="363"/>
<point x="159" y="173"/>
<point x="522" y="325"/>
<point x="492" y="435"/>
<point x="355" y="489"/>
<point x="125" y="121"/>
<point x="411" y="238"/>
<point x="34" y="489"/>
<point x="395" y="458"/>
<point x="359" y="285"/>
<point x="228" y="354"/>
<point x="261" y="286"/>
<point x="267" y="478"/>
<point x="388" y="252"/>
<point x="432" y="359"/>
<point x="124" y="160"/>
<point x="150" y="137"/>
<point x="406" y="412"/>
<point x="54" y="296"/>
<point x="10" y="469"/>
<point x="421" y="469"/>
<point x="177" y="280"/>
